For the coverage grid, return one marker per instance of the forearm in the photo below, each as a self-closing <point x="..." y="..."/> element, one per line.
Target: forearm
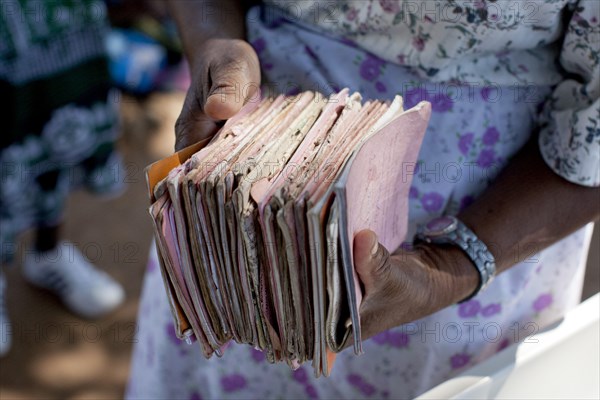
<point x="200" y="20"/>
<point x="527" y="208"/>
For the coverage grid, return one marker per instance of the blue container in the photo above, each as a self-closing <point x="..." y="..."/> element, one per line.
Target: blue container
<point x="135" y="60"/>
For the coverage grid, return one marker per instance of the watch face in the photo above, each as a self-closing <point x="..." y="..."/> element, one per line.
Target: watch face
<point x="440" y="226"/>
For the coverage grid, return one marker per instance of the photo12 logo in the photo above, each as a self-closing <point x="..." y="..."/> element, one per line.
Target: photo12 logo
<point x="69" y="332"/>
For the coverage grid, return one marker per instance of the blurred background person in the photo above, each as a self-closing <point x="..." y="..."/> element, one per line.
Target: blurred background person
<point x="59" y="126"/>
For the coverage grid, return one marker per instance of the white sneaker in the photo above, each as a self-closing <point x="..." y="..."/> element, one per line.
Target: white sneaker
<point x="85" y="290"/>
<point x="5" y="327"/>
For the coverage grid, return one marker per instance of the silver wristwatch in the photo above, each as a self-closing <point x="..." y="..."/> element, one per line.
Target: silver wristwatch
<point x="449" y="230"/>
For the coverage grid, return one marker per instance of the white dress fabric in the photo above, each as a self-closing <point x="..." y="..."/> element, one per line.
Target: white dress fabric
<point x="476" y="126"/>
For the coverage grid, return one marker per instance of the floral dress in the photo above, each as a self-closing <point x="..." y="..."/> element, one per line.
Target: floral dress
<point x="495" y="75"/>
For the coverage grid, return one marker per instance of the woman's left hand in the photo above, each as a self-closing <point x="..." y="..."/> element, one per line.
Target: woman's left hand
<point x="408" y="285"/>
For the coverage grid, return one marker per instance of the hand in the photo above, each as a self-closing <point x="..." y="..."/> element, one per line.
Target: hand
<point x="225" y="75"/>
<point x="408" y="285"/>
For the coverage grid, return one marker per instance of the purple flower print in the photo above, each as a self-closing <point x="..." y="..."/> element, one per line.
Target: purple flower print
<point x="311" y="392"/>
<point x="486" y="158"/>
<point x="465" y="142"/>
<point x="367" y="389"/>
<point x="459" y="360"/>
<point x="351" y="14"/>
<point x="300" y="375"/>
<point x="394" y="339"/>
<point x="413" y="193"/>
<point x="257" y="355"/>
<point x="381" y="338"/>
<point x="151" y="267"/>
<point x="370" y="68"/>
<point x="491" y="309"/>
<point x="479" y="4"/>
<point x="172" y="335"/>
<point x="538" y="269"/>
<point x="542" y="302"/>
<point x="466" y="202"/>
<point x="380" y="86"/>
<point x="432" y="202"/>
<point x="231" y="383"/>
<point x="418" y="43"/>
<point x="195" y="396"/>
<point x="503" y="344"/>
<point x="469" y="309"/>
<point x="354" y="379"/>
<point x="441" y="103"/>
<point x="390" y="6"/>
<point x="491" y="136"/>
<point x="502" y="54"/>
<point x="358" y="382"/>
<point x="259" y="45"/>
<point x="414" y="96"/>
<point x="398" y="339"/>
<point x="489" y="94"/>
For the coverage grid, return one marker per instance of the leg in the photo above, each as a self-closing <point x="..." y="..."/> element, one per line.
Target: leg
<point x="46" y="238"/>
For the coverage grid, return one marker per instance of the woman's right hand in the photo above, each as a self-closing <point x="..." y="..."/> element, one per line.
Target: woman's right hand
<point x="225" y="75"/>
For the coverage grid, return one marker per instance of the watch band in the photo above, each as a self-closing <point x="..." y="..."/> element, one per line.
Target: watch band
<point x="450" y="230"/>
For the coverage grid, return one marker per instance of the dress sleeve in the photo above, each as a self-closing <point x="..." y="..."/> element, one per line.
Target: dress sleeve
<point x="570" y="122"/>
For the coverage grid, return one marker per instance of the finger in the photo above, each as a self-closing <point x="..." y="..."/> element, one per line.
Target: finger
<point x="370" y="259"/>
<point x="222" y="86"/>
<point x="193" y="124"/>
<point x="233" y="83"/>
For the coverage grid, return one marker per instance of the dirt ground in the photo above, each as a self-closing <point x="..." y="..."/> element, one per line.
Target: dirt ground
<point x="58" y="356"/>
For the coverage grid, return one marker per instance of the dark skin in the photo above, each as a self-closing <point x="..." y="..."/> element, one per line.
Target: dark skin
<point x="527" y="208"/>
<point x="222" y="65"/>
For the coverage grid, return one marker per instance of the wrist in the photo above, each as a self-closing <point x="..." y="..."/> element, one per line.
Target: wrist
<point x="453" y="275"/>
<point x="218" y="49"/>
<point x="198" y="22"/>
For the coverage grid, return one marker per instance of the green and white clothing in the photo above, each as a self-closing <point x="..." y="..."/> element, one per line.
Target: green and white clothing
<point x="57" y="111"/>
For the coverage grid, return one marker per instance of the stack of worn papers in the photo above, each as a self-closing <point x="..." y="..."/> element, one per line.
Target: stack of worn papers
<point x="254" y="228"/>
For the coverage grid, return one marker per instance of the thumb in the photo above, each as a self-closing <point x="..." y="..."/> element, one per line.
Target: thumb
<point x="227" y="77"/>
<point x="371" y="259"/>
<point x="193" y="124"/>
<point x="233" y="83"/>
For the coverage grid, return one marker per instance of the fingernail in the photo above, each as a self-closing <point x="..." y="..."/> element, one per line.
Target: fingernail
<point x="374" y="245"/>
